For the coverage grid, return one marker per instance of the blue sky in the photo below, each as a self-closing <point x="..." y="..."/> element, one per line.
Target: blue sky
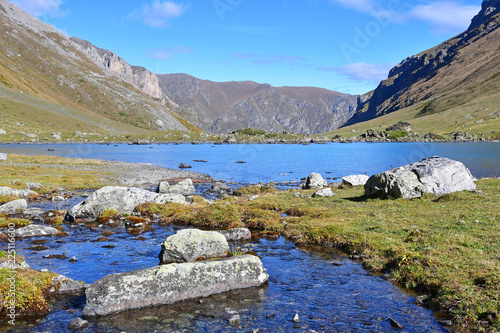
<point x="342" y="45"/>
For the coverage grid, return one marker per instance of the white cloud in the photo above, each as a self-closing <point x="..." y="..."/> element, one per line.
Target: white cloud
<point x="444" y="16"/>
<point x="362" y="71"/>
<point x="157" y="13"/>
<point x="168" y="52"/>
<point x="40" y="8"/>
<point x="359" y="5"/>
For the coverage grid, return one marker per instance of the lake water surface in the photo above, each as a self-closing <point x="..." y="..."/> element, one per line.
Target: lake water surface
<point x="280" y="162"/>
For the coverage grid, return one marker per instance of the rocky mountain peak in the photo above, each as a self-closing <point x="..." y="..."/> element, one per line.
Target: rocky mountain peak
<point x="489" y="8"/>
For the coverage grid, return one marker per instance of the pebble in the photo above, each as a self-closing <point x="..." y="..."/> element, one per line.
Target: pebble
<point x="234" y="320"/>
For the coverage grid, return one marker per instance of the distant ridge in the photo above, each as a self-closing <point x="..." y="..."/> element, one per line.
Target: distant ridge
<point x="220" y="107"/>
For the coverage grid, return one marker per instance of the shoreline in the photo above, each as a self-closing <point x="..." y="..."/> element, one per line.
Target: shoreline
<point x="299" y="142"/>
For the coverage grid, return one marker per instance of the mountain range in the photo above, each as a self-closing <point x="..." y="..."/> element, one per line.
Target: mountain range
<point x="50" y="82"/>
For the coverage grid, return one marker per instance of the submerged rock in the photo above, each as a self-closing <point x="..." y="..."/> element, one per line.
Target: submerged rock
<point x="78" y="323"/>
<point x="167" y="284"/>
<point x="315" y="181"/>
<point x="14" y="207"/>
<point x="435" y="175"/>
<point x="237" y="234"/>
<point x="355" y="180"/>
<point x="189" y="245"/>
<point x="123" y="199"/>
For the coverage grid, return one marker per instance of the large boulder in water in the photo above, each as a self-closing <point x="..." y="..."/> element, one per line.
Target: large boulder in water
<point x="315" y="181"/>
<point x="435" y="175"/>
<point x="189" y="245"/>
<point x="167" y="284"/>
<point x="123" y="199"/>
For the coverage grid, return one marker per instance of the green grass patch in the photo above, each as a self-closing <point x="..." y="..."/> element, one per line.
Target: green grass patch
<point x="31" y="289"/>
<point x="393" y="135"/>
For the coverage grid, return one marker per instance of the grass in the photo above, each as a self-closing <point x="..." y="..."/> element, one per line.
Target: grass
<point x="444" y="247"/>
<point x="51" y="171"/>
<point x="31" y="289"/>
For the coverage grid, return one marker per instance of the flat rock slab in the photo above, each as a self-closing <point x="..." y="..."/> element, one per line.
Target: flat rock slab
<point x="168" y="284"/>
<point x="35" y="230"/>
<point x="123" y="199"/>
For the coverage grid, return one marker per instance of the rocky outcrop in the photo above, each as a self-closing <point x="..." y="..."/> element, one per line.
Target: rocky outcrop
<point x="401" y="126"/>
<point x="355" y="180"/>
<point x="139" y="77"/>
<point x="35" y="230"/>
<point x="237" y="234"/>
<point x="167" y="284"/>
<point x="315" y="181"/>
<point x="184" y="187"/>
<point x="189" y="245"/>
<point x="3" y="156"/>
<point x="14" y="207"/>
<point x="435" y="175"/>
<point x="122" y="199"/>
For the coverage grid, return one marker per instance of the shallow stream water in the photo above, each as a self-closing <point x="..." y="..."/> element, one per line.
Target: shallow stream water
<point x="328" y="291"/>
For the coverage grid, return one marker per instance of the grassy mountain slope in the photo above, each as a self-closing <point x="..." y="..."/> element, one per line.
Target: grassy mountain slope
<point x="454" y="86"/>
<point x="39" y="61"/>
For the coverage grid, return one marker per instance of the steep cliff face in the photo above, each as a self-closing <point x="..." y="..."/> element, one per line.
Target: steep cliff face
<point x="220" y="107"/>
<point x="139" y="77"/>
<point x="452" y="68"/>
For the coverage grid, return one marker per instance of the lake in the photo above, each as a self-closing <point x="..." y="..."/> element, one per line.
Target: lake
<point x="279" y="162"/>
